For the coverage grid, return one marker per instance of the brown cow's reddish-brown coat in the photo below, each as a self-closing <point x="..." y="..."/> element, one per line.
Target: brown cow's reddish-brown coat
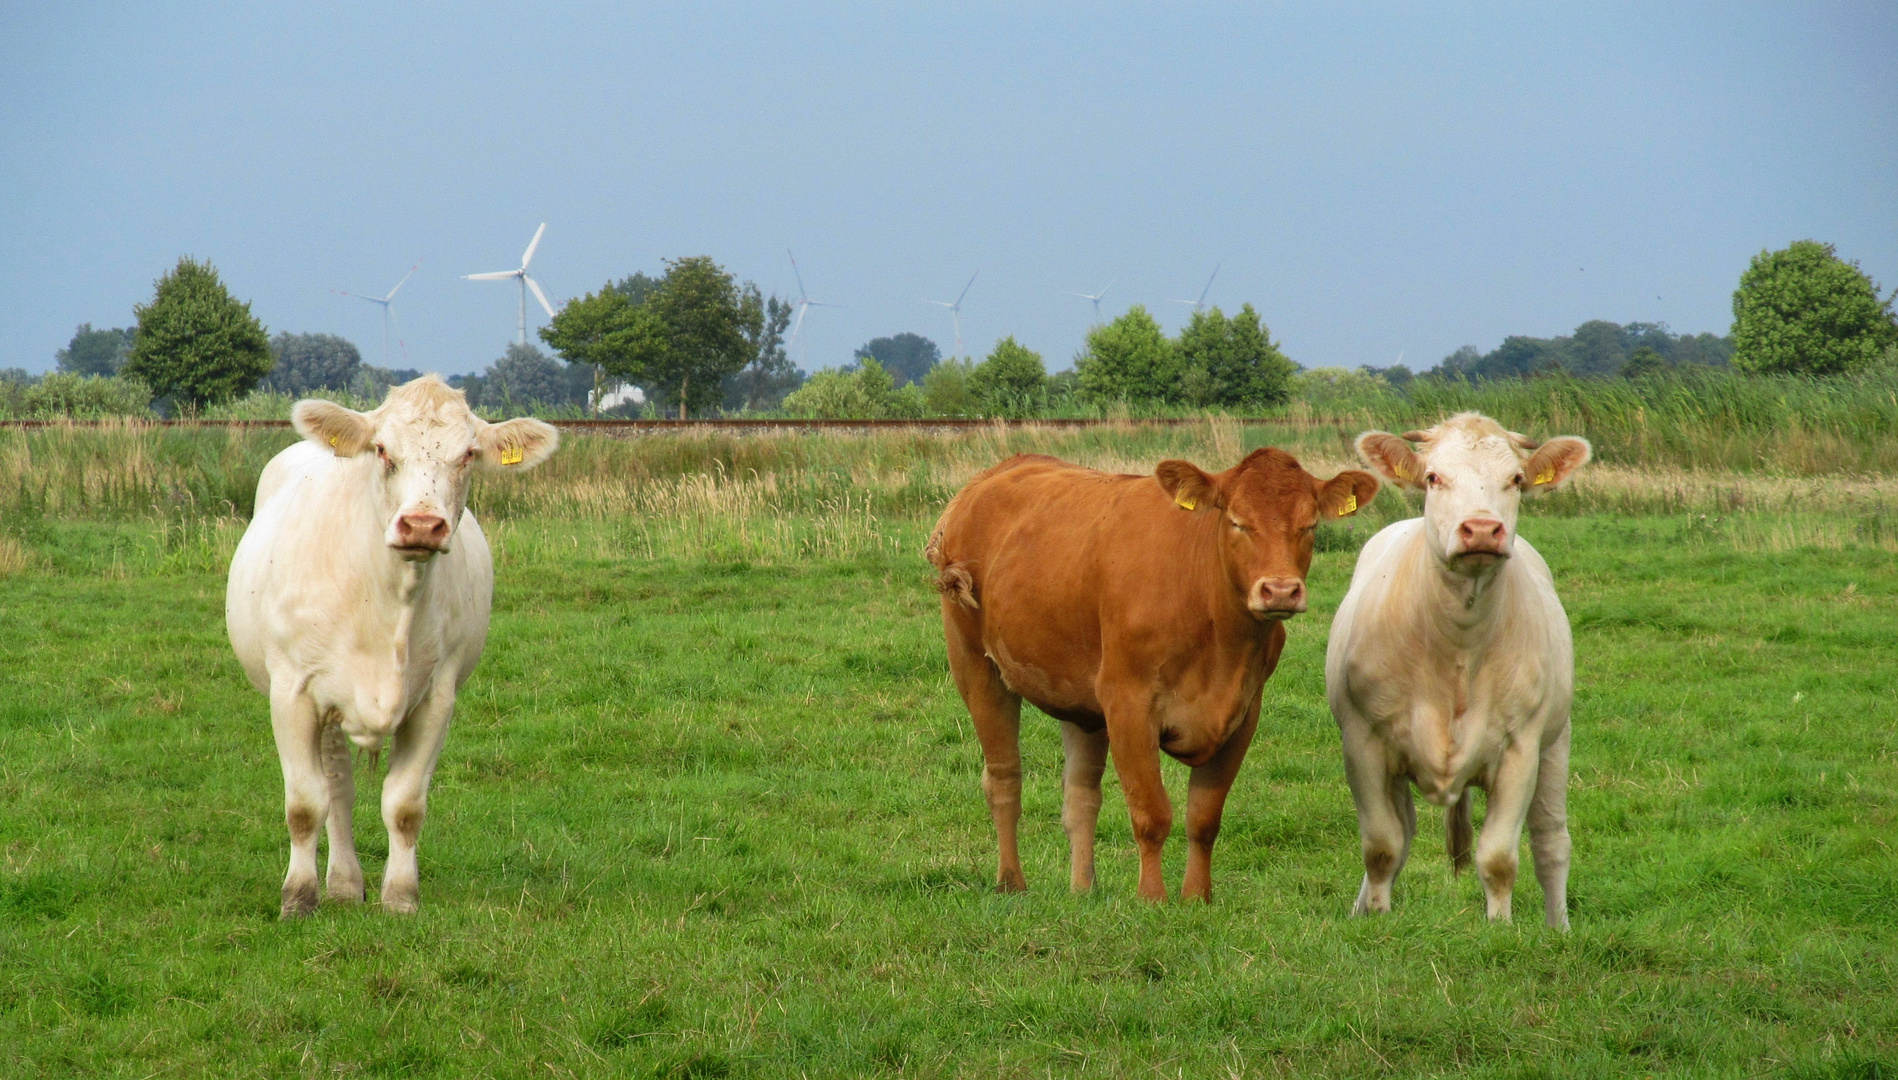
<point x="1144" y="612"/>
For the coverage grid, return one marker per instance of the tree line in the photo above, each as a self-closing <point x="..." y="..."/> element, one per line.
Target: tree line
<point x="698" y="342"/>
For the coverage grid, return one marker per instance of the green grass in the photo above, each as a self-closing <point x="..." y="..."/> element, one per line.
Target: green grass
<point x="718" y="815"/>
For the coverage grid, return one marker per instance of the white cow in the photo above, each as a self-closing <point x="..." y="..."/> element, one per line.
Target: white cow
<point x="1450" y="664"/>
<point x="360" y="609"/>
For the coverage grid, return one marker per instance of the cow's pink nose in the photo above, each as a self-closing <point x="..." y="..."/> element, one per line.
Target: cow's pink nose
<point x="1283" y="597"/>
<point x="1482" y="535"/>
<point x="421" y="531"/>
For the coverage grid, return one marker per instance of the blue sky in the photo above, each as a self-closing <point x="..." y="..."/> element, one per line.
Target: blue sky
<point x="1376" y="179"/>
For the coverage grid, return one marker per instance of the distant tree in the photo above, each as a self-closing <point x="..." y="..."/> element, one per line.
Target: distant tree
<point x="1644" y="361"/>
<point x="1130" y="359"/>
<point x="691" y="332"/>
<point x="522" y="378"/>
<point x="1597" y="347"/>
<point x="907" y="357"/>
<point x="302" y="363"/>
<point x="95" y="352"/>
<point x="763" y="383"/>
<point x="596" y="334"/>
<point x="1011" y="382"/>
<point x="1804" y="310"/>
<point x="862" y="394"/>
<point x="946" y="389"/>
<point x="637" y="287"/>
<point x="373" y="382"/>
<point x="195" y="342"/>
<point x="1232" y="362"/>
<point x="1397" y="375"/>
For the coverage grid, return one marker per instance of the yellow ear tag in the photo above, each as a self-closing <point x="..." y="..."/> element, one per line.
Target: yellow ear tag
<point x="1186" y="503"/>
<point x="511" y="455"/>
<point x="333" y="440"/>
<point x="1350" y="505"/>
<point x="1546" y="475"/>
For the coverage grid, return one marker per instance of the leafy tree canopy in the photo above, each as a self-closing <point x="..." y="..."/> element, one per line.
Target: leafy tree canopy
<point x="1011" y="382"/>
<point x="907" y="357"/>
<point x="1595" y="348"/>
<point x="303" y="363"/>
<point x="1804" y="310"/>
<point x="866" y="392"/>
<point x="1232" y="362"/>
<point x="95" y="352"/>
<point x="763" y="383"/>
<point x="522" y="379"/>
<point x="1130" y="359"/>
<point x="195" y="342"/>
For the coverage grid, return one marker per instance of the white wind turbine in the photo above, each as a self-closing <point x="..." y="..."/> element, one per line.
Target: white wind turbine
<point x="955" y="310"/>
<point x="391" y="326"/>
<point x="526" y="282"/>
<point x="804" y="302"/>
<point x="1200" y="304"/>
<point x="1095" y="298"/>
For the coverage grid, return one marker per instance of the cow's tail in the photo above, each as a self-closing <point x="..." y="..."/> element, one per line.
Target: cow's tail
<point x="1459" y="834"/>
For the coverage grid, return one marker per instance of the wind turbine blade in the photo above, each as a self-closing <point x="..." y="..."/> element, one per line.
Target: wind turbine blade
<point x="538" y="295"/>
<point x="941" y="303"/>
<point x="1103" y="292"/>
<point x="404" y="281"/>
<point x="1209" y="284"/>
<point x="820" y="303"/>
<point x="799" y="324"/>
<point x="498" y="275"/>
<point x="528" y="255"/>
<point x="965" y="289"/>
<point x="801" y="295"/>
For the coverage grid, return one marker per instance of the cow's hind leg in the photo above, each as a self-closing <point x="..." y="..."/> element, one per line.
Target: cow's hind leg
<point x="1548" y="831"/>
<point x="1086" y="754"/>
<point x="1206" y="804"/>
<point x="996" y="713"/>
<point x="293" y="720"/>
<point x="416" y="747"/>
<point x="344" y="880"/>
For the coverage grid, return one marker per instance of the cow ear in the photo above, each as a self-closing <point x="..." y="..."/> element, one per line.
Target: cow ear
<point x="1555" y="462"/>
<point x="1188" y="485"/>
<point x="1392" y="456"/>
<point x="1345" y="494"/>
<point x="345" y="432"/>
<point x="517" y="445"/>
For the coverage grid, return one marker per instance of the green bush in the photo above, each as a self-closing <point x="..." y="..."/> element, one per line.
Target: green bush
<point x="1805" y="311"/>
<point x="85" y="397"/>
<point x="1011" y="382"/>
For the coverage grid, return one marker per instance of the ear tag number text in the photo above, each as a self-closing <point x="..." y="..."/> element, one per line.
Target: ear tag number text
<point x="1546" y="475"/>
<point x="1350" y="505"/>
<point x="511" y="455"/>
<point x="1186" y="503"/>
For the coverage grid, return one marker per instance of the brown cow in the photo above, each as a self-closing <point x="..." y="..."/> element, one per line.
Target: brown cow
<point x="1143" y="612"/>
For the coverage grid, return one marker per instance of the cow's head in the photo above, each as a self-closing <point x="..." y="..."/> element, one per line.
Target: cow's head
<point x="426" y="443"/>
<point x="1268" y="508"/>
<point x="1473" y="475"/>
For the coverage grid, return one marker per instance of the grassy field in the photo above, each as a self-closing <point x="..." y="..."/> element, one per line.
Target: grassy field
<point x="710" y="807"/>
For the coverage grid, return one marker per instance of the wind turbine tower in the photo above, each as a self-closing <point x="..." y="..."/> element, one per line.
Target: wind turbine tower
<point x="955" y="310"/>
<point x="391" y="326"/>
<point x="804" y="303"/>
<point x="526" y="282"/>
<point x="1095" y="299"/>
<point x="1200" y="304"/>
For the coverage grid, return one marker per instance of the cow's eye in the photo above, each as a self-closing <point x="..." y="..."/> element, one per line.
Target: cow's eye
<point x="1518" y="481"/>
<point x="469" y="456"/>
<point x="1433" y="479"/>
<point x="1240" y="526"/>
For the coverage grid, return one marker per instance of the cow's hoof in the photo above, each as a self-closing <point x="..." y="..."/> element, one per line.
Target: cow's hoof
<point x="1012" y="883"/>
<point x="299" y="900"/>
<point x="400" y="901"/>
<point x="345" y="894"/>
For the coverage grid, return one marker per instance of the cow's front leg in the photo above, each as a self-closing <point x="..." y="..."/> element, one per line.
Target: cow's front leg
<point x="293" y="720"/>
<point x="344" y="880"/>
<point x="1548" y="830"/>
<point x="1136" y="748"/>
<point x="1386" y="815"/>
<point x="1206" y="803"/>
<point x="1086" y="761"/>
<point x="1497" y="846"/>
<point x="416" y="747"/>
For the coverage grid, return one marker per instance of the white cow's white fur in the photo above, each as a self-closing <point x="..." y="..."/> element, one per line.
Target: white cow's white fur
<point x="1449" y="670"/>
<point x="357" y="639"/>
